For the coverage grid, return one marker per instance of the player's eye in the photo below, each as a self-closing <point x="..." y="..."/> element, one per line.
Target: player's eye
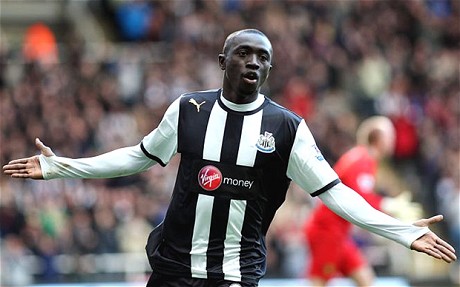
<point x="264" y="58"/>
<point x="242" y="53"/>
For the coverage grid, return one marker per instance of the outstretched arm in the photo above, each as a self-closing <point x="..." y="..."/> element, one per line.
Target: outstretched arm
<point x="119" y="162"/>
<point x="351" y="206"/>
<point x="28" y="167"/>
<point x="160" y="145"/>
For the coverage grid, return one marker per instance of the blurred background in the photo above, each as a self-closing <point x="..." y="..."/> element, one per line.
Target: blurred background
<point x="89" y="76"/>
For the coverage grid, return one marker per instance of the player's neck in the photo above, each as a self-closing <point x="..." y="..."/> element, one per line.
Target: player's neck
<point x="239" y="98"/>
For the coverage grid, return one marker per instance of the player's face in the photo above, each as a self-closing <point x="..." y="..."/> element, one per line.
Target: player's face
<point x="246" y="66"/>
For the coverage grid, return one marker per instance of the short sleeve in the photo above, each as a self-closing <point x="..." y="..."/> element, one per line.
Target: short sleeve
<point x="161" y="144"/>
<point x="307" y="167"/>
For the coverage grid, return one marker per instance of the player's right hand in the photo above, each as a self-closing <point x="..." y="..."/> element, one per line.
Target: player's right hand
<point x="28" y="167"/>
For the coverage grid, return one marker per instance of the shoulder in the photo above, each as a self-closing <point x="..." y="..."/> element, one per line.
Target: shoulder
<point x="276" y="109"/>
<point x="201" y="95"/>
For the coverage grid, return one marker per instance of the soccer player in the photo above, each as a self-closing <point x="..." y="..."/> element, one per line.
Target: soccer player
<point x="333" y="252"/>
<point x="239" y="151"/>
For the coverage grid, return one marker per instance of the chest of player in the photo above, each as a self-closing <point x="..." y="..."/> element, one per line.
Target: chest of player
<point x="259" y="138"/>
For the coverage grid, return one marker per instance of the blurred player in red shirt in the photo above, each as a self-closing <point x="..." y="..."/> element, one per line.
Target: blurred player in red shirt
<point x="333" y="251"/>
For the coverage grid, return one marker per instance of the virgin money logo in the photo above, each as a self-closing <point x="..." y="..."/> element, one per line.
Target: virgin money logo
<point x="210" y="178"/>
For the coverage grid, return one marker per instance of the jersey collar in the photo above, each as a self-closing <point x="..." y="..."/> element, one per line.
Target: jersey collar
<point x="243" y="107"/>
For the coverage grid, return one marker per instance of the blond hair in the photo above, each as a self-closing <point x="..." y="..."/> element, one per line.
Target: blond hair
<point x="371" y="129"/>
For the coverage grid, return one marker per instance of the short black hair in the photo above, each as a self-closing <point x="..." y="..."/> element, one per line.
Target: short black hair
<point x="232" y="36"/>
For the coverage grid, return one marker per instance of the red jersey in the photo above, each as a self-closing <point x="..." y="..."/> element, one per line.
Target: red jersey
<point x="357" y="169"/>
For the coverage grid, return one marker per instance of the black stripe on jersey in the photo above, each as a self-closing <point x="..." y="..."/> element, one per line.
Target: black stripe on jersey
<point x="220" y="213"/>
<point x="151" y="156"/>
<point x="221" y="207"/>
<point x="232" y="137"/>
<point x="192" y="124"/>
<point x="326" y="187"/>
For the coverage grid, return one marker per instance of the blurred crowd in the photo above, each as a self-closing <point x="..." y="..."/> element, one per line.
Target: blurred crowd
<point x="335" y="63"/>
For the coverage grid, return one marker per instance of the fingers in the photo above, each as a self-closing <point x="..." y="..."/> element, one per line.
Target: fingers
<point x="434" y="253"/>
<point x="445" y="244"/>
<point x="17" y="161"/>
<point x="436" y="247"/>
<point x="429" y="221"/>
<point x="446" y="249"/>
<point x="21" y="175"/>
<point x="20" y="168"/>
<point x="445" y="254"/>
<point x="435" y="219"/>
<point x="46" y="151"/>
<point x="15" y="165"/>
<point x="442" y="253"/>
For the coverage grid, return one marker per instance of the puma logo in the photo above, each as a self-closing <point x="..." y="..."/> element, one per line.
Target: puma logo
<point x="193" y="102"/>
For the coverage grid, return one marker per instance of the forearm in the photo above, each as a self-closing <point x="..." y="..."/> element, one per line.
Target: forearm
<point x="119" y="162"/>
<point x="352" y="207"/>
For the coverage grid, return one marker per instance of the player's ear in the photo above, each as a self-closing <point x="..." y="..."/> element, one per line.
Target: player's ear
<point x="269" y="70"/>
<point x="222" y="59"/>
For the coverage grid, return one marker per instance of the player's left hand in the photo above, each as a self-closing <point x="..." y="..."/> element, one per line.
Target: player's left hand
<point x="431" y="244"/>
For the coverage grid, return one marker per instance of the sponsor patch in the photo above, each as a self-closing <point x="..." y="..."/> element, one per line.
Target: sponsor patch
<point x="226" y="181"/>
<point x="210" y="178"/>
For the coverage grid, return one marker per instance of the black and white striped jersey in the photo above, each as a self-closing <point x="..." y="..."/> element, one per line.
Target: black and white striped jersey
<point x="236" y="165"/>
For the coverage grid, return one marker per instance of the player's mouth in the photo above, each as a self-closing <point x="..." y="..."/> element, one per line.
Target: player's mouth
<point x="251" y="77"/>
